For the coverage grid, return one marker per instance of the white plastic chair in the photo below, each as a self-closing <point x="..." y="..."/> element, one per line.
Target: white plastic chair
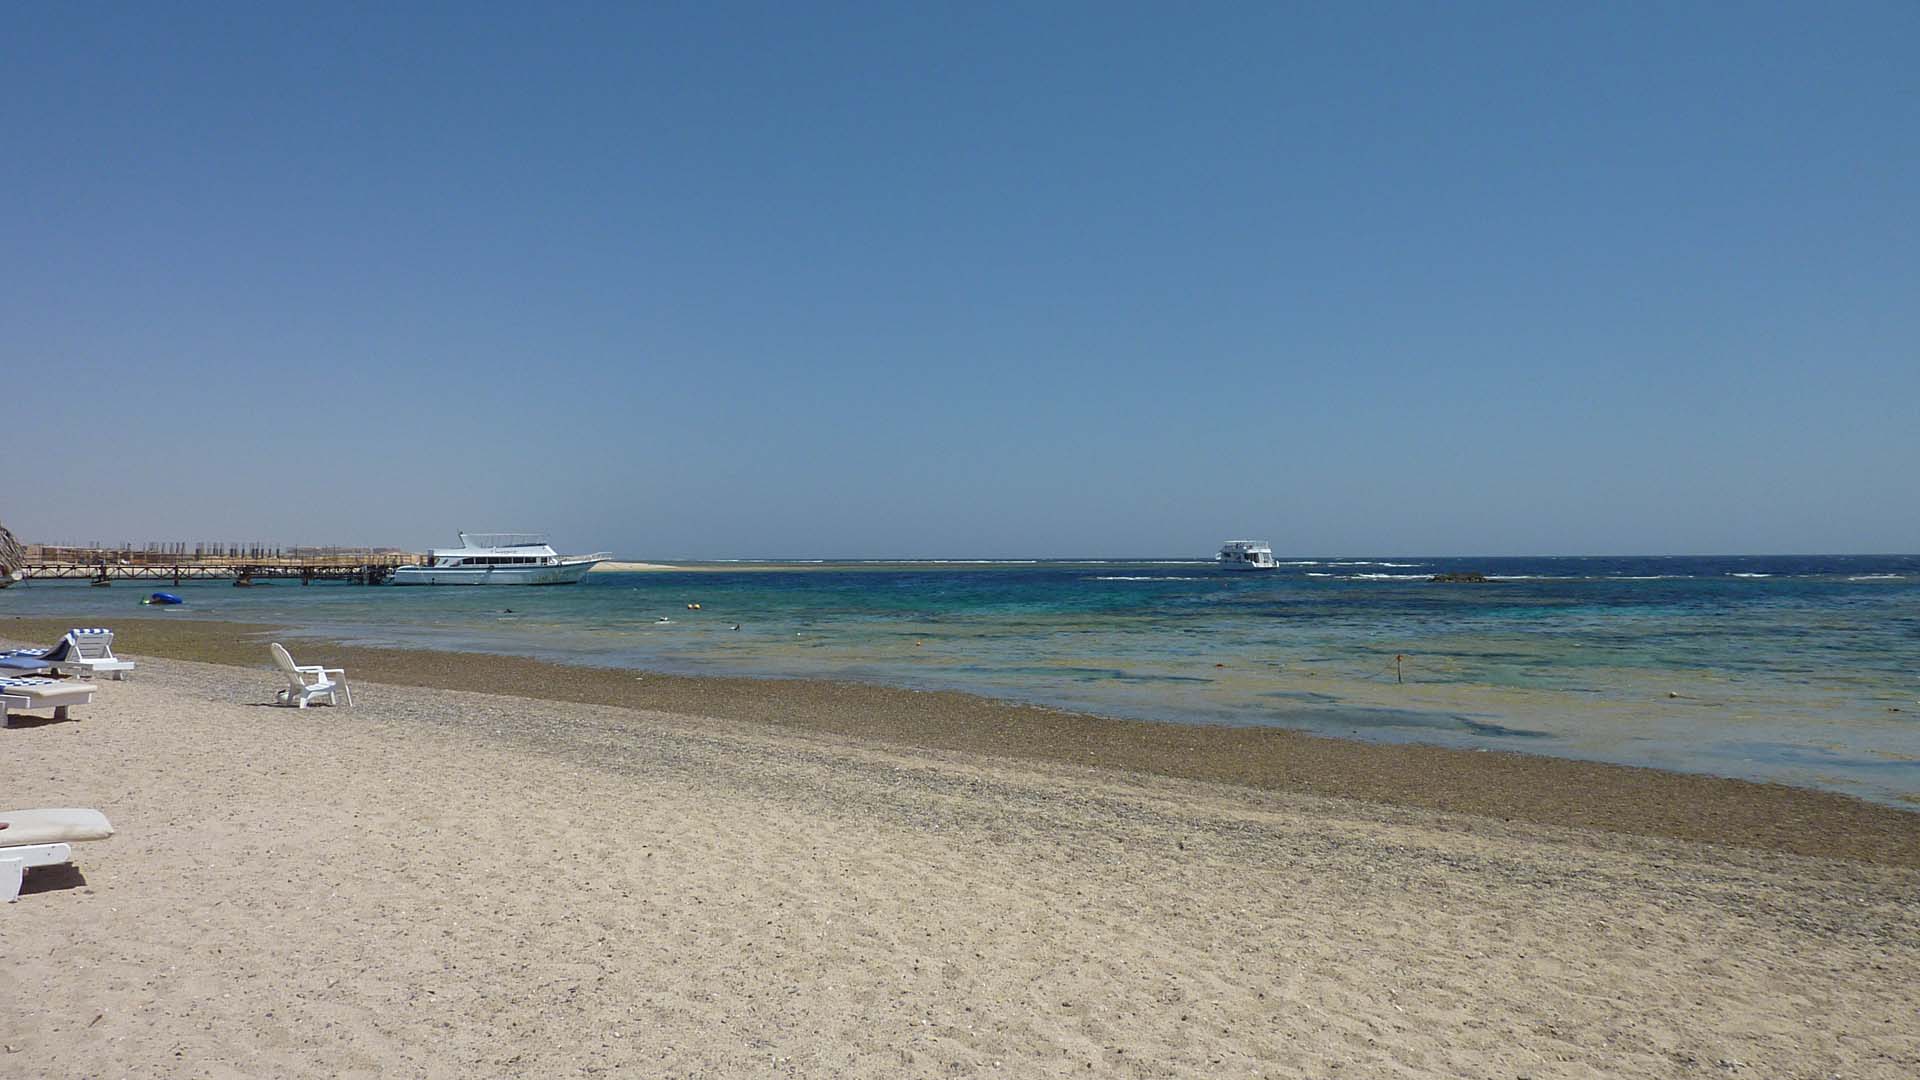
<point x="92" y="652"/>
<point x="308" y="681"/>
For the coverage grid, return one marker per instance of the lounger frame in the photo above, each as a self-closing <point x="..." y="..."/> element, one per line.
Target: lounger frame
<point x="16" y="861"/>
<point x="88" y="648"/>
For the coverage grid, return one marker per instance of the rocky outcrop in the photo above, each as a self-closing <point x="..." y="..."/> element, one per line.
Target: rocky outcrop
<point x="12" y="558"/>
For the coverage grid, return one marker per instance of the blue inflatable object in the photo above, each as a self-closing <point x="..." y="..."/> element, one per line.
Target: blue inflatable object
<point x="163" y="598"/>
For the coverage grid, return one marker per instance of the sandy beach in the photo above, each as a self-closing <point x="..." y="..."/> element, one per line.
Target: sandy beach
<point x="442" y="883"/>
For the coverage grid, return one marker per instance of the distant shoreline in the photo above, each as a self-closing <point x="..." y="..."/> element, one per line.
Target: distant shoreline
<point x="621" y="566"/>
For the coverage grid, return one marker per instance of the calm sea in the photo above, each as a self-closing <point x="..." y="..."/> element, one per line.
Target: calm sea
<point x="1803" y="669"/>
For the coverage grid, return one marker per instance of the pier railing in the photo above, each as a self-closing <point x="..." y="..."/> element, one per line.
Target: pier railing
<point x="242" y="563"/>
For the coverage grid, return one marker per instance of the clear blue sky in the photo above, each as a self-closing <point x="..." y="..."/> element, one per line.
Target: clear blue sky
<point x="806" y="280"/>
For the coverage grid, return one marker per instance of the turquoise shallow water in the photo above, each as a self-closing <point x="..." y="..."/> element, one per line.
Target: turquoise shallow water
<point x="1803" y="669"/>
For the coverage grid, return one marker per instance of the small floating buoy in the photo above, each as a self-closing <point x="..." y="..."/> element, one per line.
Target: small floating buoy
<point x="693" y="607"/>
<point x="917" y="644"/>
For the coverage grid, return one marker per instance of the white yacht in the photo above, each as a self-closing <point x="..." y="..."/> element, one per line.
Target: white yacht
<point x="1246" y="555"/>
<point x="499" y="559"/>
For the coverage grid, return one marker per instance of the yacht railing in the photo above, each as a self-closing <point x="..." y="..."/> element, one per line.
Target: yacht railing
<point x="502" y="540"/>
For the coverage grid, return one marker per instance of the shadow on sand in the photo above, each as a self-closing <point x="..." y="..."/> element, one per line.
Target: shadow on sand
<point x="22" y="720"/>
<point x="42" y="879"/>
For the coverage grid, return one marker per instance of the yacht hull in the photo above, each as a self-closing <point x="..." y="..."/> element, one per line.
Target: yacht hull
<point x="565" y="573"/>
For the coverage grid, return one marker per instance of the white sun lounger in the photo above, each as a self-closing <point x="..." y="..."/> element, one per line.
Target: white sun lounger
<point x="93" y="652"/>
<point x="87" y="648"/>
<point x="42" y="838"/>
<point x="308" y="681"/>
<point x="37" y="693"/>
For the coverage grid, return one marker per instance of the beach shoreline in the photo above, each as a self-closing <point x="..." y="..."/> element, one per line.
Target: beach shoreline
<point x="1692" y="665"/>
<point x="1498" y="785"/>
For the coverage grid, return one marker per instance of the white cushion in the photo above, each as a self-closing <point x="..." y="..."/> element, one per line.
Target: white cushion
<point x="48" y="690"/>
<point x="64" y="826"/>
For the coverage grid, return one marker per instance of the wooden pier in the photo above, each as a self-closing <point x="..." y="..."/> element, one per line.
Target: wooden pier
<point x="241" y="564"/>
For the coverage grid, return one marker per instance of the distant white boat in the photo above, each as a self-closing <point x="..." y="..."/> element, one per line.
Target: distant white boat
<point x="499" y="559"/>
<point x="1246" y="555"/>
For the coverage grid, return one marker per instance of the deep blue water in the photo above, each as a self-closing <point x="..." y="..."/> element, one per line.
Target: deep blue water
<point x="1804" y="669"/>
